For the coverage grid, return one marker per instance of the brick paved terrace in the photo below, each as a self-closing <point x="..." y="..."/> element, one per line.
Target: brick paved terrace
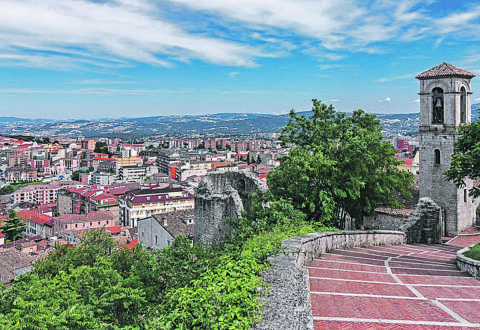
<point x="393" y="287"/>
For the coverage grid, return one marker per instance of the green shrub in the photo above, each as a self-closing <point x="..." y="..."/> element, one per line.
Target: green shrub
<point x="473" y="252"/>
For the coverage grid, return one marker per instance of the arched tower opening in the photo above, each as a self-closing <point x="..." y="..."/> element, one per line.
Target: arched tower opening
<point x="437" y="157"/>
<point x="463" y="105"/>
<point x="437" y="106"/>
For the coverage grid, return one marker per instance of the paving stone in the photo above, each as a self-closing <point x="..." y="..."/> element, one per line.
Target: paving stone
<point x="342" y="290"/>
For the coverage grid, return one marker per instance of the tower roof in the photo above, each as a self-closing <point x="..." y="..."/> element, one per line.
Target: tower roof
<point x="445" y="70"/>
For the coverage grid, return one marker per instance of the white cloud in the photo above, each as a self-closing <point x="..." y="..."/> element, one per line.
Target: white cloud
<point x="56" y="33"/>
<point x="121" y="91"/>
<point x="385" y="100"/>
<point x="403" y="76"/>
<point x="233" y="74"/>
<point x="118" y="33"/>
<point x="333" y="101"/>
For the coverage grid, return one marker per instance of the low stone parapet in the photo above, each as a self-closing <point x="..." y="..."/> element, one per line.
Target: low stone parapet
<point x="288" y="304"/>
<point x="468" y="265"/>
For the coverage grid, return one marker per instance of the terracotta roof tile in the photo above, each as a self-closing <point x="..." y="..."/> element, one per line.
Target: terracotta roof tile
<point x="445" y="70"/>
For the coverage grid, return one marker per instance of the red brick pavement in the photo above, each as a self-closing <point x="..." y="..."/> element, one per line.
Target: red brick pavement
<point x="393" y="287"/>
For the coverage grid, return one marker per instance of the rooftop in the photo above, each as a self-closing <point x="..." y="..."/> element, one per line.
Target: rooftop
<point x="445" y="70"/>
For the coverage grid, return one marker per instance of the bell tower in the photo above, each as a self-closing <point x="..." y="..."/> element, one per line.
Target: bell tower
<point x="445" y="97"/>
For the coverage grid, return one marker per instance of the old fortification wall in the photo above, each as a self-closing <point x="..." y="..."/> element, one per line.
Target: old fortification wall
<point x="383" y="221"/>
<point x="425" y="223"/>
<point x="222" y="195"/>
<point x="288" y="304"/>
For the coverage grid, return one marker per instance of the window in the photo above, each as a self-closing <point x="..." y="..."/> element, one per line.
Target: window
<point x="156" y="240"/>
<point x="76" y="225"/>
<point x="463" y="105"/>
<point x="437" y="157"/>
<point x="107" y="222"/>
<point x="437" y="106"/>
<point x="99" y="223"/>
<point x="65" y="226"/>
<point x="465" y="195"/>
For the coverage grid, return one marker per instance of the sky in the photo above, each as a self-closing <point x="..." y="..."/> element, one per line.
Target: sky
<point x="85" y="59"/>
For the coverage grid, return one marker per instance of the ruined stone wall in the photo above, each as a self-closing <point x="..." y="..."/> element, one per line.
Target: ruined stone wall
<point x="383" y="221"/>
<point x="425" y="223"/>
<point x="222" y="195"/>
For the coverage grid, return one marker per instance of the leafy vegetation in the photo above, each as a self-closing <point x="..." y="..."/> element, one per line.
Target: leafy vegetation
<point x="184" y="286"/>
<point x="11" y="188"/>
<point x="339" y="166"/>
<point x="76" y="174"/>
<point x="465" y="161"/>
<point x="473" y="252"/>
<point x="13" y="227"/>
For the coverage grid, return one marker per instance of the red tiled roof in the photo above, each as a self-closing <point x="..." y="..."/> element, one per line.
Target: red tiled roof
<point x="92" y="216"/>
<point x="114" y="229"/>
<point x="406" y="161"/>
<point x="105" y="158"/>
<point x="132" y="244"/>
<point x="445" y="70"/>
<point x="1" y="235"/>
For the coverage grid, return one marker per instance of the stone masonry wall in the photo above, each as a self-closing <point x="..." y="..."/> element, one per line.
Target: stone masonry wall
<point x="425" y="223"/>
<point x="222" y="195"/>
<point x="383" y="221"/>
<point x="468" y="265"/>
<point x="288" y="304"/>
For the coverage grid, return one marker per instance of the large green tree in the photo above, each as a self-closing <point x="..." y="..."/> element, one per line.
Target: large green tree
<point x="339" y="166"/>
<point x="13" y="227"/>
<point x="465" y="161"/>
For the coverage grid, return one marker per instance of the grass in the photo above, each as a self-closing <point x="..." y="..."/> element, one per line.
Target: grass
<point x="473" y="252"/>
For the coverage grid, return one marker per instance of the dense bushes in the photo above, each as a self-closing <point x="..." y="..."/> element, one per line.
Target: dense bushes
<point x="184" y="286"/>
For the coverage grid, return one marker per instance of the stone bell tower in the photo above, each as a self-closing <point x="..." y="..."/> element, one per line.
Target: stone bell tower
<point x="445" y="97"/>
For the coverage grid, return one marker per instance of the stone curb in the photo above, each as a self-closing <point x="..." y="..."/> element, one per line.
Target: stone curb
<point x="288" y="304"/>
<point x="468" y="265"/>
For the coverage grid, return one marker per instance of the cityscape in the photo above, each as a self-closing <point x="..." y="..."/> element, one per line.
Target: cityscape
<point x="239" y="165"/>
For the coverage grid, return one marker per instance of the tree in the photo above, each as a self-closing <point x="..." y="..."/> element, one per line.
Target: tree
<point x="465" y="161"/>
<point x="102" y="148"/>
<point x="339" y="166"/>
<point x="13" y="227"/>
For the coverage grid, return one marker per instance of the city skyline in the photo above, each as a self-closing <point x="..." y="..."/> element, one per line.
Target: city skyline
<point x="134" y="58"/>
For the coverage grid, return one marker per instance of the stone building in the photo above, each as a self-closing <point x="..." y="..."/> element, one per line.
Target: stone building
<point x="159" y="230"/>
<point x="445" y="104"/>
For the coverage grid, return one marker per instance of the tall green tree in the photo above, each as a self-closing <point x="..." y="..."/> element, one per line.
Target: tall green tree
<point x="339" y="166"/>
<point x="465" y="161"/>
<point x="13" y="227"/>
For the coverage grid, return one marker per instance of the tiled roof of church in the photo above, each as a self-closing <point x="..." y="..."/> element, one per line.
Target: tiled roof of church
<point x="445" y="70"/>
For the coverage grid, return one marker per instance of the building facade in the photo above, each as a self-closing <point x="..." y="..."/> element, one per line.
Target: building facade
<point x="140" y="204"/>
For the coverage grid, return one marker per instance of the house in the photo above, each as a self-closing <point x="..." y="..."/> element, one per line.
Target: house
<point x="37" y="224"/>
<point x="68" y="225"/>
<point x="159" y="230"/>
<point x="142" y="203"/>
<point x="12" y="264"/>
<point x="2" y="239"/>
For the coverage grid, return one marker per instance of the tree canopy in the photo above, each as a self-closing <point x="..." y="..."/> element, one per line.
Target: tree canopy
<point x="14" y="227"/>
<point x="465" y="161"/>
<point x="339" y="165"/>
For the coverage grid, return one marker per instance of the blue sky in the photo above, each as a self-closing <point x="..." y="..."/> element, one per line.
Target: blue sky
<point x="99" y="59"/>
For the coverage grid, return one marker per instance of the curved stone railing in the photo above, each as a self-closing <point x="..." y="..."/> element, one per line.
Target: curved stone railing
<point x="468" y="265"/>
<point x="288" y="304"/>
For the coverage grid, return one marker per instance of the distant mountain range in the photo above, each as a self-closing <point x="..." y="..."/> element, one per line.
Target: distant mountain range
<point x="226" y="124"/>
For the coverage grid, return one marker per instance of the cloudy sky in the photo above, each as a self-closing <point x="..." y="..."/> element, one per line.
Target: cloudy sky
<point x="113" y="58"/>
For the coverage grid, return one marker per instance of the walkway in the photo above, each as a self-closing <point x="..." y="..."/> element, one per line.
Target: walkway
<point x="393" y="287"/>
